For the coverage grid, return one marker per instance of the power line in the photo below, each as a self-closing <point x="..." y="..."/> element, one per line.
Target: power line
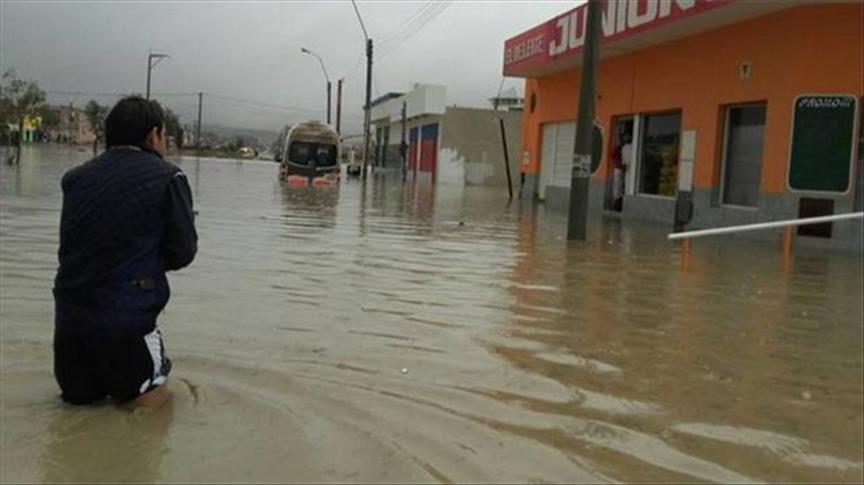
<point x="394" y="39"/>
<point x="186" y="106"/>
<point x="263" y="104"/>
<point x="389" y="49"/>
<point x="109" y="93"/>
<point x="428" y="18"/>
<point x="393" y="33"/>
<point x="229" y="101"/>
<point x="412" y="24"/>
<point x="190" y="94"/>
<point x="393" y="36"/>
<point x="222" y="105"/>
<point x="183" y="104"/>
<point x="80" y="93"/>
<point x="354" y="67"/>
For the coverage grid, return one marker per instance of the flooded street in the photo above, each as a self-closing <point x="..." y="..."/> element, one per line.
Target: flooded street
<point x="403" y="333"/>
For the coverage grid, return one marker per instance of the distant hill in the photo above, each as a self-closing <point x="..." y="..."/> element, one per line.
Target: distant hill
<point x="264" y="137"/>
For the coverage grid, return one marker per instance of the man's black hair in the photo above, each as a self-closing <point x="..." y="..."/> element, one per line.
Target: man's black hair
<point x="131" y="119"/>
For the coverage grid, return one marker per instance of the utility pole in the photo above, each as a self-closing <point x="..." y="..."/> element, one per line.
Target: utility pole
<point x="403" y="148"/>
<point x="329" y="90"/>
<point x="368" y="106"/>
<point x="577" y="223"/>
<point x="495" y="102"/>
<point x="198" y="128"/>
<point x="368" y="114"/>
<point x="339" y="106"/>
<point x="506" y="155"/>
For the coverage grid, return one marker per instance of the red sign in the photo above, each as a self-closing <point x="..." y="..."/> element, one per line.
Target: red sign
<point x="564" y="36"/>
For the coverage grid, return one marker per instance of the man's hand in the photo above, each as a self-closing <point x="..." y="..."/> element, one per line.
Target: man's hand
<point x="181" y="239"/>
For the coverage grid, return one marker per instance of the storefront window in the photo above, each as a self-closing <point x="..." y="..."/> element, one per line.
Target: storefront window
<point x="743" y="160"/>
<point x="658" y="174"/>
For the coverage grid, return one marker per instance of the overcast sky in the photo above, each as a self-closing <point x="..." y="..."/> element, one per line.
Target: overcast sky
<point x="251" y="51"/>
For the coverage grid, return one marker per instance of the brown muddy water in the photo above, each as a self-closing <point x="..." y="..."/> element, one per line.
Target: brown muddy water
<point x="401" y="333"/>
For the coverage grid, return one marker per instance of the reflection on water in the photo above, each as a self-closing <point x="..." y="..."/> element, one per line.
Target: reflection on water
<point x="90" y="445"/>
<point x="412" y="333"/>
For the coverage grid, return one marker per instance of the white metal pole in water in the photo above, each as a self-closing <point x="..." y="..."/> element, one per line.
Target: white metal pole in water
<point x="765" y="225"/>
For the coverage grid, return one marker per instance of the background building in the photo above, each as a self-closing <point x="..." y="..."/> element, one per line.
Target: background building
<point x="447" y="144"/>
<point x="31" y="125"/>
<point x="508" y="100"/>
<point x="72" y="126"/>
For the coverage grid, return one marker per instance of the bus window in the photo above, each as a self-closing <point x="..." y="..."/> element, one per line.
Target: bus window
<point x="300" y="152"/>
<point x="325" y="154"/>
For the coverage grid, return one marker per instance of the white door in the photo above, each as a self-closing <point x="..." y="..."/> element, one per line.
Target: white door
<point x="547" y="159"/>
<point x="565" y="140"/>
<point x="556" y="161"/>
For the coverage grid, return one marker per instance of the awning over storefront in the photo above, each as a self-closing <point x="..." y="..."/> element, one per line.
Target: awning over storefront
<point x="627" y="26"/>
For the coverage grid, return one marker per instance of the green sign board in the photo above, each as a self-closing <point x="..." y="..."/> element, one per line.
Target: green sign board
<point x="823" y="142"/>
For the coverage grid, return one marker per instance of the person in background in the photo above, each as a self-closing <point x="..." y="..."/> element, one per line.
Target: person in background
<point x="621" y="161"/>
<point x="127" y="218"/>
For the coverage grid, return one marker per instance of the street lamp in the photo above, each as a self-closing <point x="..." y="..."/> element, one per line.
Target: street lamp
<point x="151" y="65"/>
<point x="326" y="76"/>
<point x="368" y="107"/>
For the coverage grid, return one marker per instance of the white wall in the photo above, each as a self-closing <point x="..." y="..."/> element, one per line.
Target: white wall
<point x="471" y="138"/>
<point x="451" y="166"/>
<point x="423" y="99"/>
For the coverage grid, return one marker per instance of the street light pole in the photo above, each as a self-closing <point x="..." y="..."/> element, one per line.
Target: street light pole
<point x="326" y="77"/>
<point x="151" y="65"/>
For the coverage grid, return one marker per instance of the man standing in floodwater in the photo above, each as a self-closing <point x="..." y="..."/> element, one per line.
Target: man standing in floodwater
<point x="127" y="218"/>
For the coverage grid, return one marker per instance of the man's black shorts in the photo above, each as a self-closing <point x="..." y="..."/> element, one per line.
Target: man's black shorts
<point x="122" y="366"/>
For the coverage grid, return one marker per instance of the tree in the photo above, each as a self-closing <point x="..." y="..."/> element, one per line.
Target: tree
<point x="237" y="144"/>
<point x="173" y="128"/>
<point x="96" y="114"/>
<point x="19" y="99"/>
<point x="50" y="117"/>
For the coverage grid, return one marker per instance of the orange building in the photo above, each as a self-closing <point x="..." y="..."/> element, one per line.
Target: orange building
<point x="751" y="107"/>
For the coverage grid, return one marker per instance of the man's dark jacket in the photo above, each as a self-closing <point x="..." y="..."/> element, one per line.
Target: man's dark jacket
<point x="127" y="218"/>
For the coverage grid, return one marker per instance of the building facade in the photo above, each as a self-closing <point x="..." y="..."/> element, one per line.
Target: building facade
<point x="445" y="144"/>
<point x="751" y="108"/>
<point x="508" y="100"/>
<point x="73" y="126"/>
<point x="31" y="125"/>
